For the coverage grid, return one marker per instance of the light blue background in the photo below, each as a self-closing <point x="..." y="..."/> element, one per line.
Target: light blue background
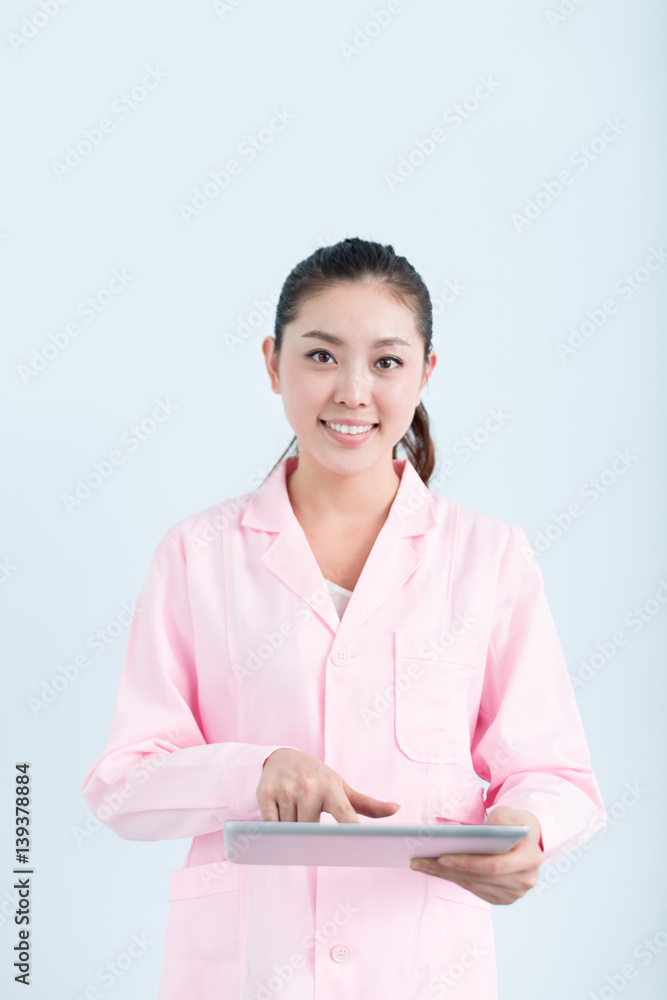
<point x="166" y="335"/>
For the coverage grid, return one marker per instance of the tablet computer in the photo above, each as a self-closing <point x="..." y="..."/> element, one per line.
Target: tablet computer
<point x="360" y="844"/>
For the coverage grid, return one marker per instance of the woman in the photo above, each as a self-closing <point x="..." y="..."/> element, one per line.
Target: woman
<point x="344" y="644"/>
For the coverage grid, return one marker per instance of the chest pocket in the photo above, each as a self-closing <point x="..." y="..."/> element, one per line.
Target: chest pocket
<point x="430" y="697"/>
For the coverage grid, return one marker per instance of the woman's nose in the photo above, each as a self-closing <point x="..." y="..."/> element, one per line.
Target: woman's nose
<point x="353" y="387"/>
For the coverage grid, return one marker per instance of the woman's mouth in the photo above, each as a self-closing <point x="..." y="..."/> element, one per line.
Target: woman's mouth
<point x="349" y="434"/>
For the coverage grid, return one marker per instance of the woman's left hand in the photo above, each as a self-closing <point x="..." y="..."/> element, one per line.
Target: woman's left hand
<point x="497" y="878"/>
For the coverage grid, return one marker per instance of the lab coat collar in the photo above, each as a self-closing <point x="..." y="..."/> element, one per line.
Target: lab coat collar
<point x="411" y="512"/>
<point x="390" y="563"/>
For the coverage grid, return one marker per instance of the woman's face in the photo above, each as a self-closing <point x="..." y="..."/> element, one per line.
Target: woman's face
<point x="353" y="356"/>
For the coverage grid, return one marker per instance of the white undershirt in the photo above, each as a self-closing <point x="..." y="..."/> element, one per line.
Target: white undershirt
<point x="339" y="595"/>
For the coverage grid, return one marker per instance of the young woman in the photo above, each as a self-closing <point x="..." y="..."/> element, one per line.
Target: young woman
<point x="342" y="644"/>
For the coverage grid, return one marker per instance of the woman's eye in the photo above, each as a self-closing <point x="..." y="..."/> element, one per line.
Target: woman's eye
<point x="327" y="354"/>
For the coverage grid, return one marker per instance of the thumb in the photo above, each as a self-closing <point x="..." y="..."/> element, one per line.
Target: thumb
<point x="508" y="816"/>
<point x="505" y="816"/>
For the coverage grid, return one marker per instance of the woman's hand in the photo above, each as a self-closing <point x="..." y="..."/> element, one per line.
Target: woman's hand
<point x="497" y="878"/>
<point x="296" y="787"/>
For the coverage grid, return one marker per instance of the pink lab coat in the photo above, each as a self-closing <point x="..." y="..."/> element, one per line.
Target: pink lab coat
<point x="446" y="663"/>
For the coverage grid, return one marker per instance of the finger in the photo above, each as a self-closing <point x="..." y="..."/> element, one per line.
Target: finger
<point x="448" y="866"/>
<point x="269" y="811"/>
<point x="458" y="862"/>
<point x="527" y="877"/>
<point x="492" y="891"/>
<point x="491" y="864"/>
<point x="287" y="810"/>
<point x="309" y="809"/>
<point x="495" y="888"/>
<point x="495" y="894"/>
<point x="340" y="807"/>
<point x="377" y="808"/>
<point x="368" y="806"/>
<point x="431" y="870"/>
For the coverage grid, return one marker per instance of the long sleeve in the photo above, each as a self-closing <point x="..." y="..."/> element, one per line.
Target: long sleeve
<point x="529" y="741"/>
<point x="158" y="778"/>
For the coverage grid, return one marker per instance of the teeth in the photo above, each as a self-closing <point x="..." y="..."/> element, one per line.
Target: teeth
<point x="349" y="429"/>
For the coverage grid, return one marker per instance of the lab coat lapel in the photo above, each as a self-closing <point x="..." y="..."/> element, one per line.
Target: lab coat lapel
<point x="289" y="555"/>
<point x="390" y="563"/>
<point x="291" y="558"/>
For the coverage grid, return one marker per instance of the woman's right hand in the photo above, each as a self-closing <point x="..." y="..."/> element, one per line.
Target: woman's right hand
<point x="296" y="788"/>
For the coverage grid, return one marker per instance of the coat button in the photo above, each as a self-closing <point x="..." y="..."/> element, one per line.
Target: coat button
<point x="341" y="656"/>
<point x="341" y="952"/>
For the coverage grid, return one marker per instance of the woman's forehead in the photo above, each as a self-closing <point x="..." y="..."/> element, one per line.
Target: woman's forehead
<point x="359" y="309"/>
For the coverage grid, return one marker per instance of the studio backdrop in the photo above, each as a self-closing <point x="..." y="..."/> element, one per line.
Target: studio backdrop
<point x="165" y="166"/>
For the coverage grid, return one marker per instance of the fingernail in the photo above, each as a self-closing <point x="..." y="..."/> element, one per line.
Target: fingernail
<point x="416" y="863"/>
<point x="447" y="859"/>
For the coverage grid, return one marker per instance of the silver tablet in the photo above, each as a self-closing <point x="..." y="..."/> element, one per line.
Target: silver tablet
<point x="360" y="844"/>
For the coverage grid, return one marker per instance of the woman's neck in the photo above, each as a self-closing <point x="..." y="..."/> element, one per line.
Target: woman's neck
<point x="320" y="496"/>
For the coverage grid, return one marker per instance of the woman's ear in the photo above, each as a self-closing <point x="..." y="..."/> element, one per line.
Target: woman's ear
<point x="271" y="358"/>
<point x="428" y="370"/>
<point x="431" y="362"/>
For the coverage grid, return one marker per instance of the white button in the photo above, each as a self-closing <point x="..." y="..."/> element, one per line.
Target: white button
<point x="341" y="656"/>
<point x="341" y="953"/>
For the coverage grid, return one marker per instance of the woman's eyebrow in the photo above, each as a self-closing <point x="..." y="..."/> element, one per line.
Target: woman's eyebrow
<point x="331" y="339"/>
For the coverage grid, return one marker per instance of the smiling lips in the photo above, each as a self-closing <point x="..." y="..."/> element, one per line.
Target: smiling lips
<point x="345" y="428"/>
<point x="347" y="433"/>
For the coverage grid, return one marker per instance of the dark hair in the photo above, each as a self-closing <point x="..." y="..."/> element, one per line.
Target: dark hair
<point x="358" y="260"/>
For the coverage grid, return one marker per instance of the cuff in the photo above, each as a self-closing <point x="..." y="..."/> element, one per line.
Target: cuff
<point x="561" y="829"/>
